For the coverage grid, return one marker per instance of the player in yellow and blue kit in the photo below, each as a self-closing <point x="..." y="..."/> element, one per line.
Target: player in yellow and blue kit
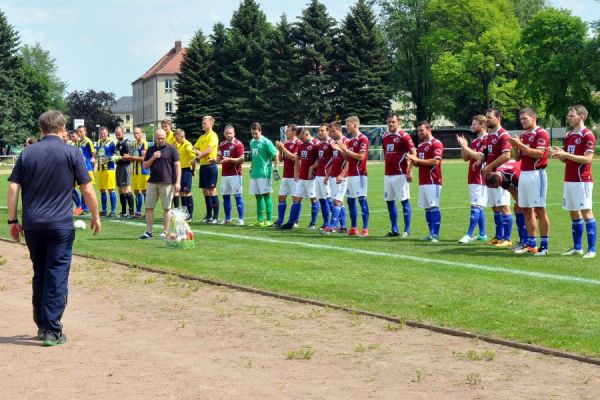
<point x="140" y="175"/>
<point x="87" y="148"/>
<point x="106" y="171"/>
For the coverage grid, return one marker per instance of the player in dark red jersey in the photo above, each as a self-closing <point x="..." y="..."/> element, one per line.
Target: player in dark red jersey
<point x="356" y="152"/>
<point x="324" y="151"/>
<point x="231" y="157"/>
<point x="429" y="160"/>
<point x="578" y="154"/>
<point x="477" y="188"/>
<point x="288" y="182"/>
<point x="336" y="177"/>
<point x="397" y="144"/>
<point x="532" y="149"/>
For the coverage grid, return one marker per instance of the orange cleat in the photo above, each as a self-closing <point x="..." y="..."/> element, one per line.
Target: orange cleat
<point x="77" y="211"/>
<point x="353" y="232"/>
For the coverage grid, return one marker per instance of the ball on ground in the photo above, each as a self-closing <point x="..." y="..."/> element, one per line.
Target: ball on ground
<point x="79" y="224"/>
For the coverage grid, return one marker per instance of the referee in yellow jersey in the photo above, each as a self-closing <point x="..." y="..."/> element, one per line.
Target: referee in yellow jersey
<point x="206" y="151"/>
<point x="187" y="158"/>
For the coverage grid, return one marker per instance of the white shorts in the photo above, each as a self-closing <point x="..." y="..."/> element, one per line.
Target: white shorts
<point x="357" y="186"/>
<point x="338" y="190"/>
<point x="577" y="196"/>
<point x="396" y="187"/>
<point x="429" y="196"/>
<point x="231" y="184"/>
<point x="532" y="188"/>
<point x="286" y="188"/>
<point x="478" y="194"/>
<point x="305" y="189"/>
<point x="260" y="186"/>
<point x="322" y="189"/>
<point x="498" y="197"/>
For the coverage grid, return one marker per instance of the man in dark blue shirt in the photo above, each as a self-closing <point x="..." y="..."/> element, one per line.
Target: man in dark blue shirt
<point x="45" y="174"/>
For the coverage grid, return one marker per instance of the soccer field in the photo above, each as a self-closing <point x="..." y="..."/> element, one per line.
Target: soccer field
<point x="551" y="301"/>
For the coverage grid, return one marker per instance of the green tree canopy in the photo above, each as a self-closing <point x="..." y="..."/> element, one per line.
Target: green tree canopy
<point x="93" y="107"/>
<point x="524" y="10"/>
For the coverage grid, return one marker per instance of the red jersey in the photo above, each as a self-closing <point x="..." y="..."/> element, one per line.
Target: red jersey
<point x="233" y="149"/>
<point x="496" y="144"/>
<point x="324" y="157"/>
<point x="356" y="145"/>
<point x="288" y="163"/>
<point x="308" y="155"/>
<point x="426" y="151"/>
<point x="537" y="138"/>
<point x="475" y="177"/>
<point x="337" y="159"/>
<point x="396" y="145"/>
<point x="579" y="143"/>
<point x="510" y="171"/>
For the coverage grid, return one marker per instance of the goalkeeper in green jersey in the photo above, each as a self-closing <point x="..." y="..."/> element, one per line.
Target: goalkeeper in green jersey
<point x="262" y="151"/>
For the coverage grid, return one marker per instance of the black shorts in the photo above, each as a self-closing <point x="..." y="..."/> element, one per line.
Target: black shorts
<point x="208" y="176"/>
<point x="186" y="180"/>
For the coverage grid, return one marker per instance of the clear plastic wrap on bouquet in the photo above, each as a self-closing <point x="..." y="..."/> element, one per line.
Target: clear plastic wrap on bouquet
<point x="180" y="234"/>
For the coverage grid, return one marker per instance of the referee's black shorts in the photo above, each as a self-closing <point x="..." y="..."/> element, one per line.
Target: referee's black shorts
<point x="208" y="176"/>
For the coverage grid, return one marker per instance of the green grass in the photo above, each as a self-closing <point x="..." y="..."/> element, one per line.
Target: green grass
<point x="558" y="314"/>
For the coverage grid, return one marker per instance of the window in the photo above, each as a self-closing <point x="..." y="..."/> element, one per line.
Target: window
<point x="127" y="130"/>
<point x="127" y="118"/>
<point x="169" y="107"/>
<point x="168" y="85"/>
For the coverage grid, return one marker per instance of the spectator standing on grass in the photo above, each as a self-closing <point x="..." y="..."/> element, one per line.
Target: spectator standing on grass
<point x="162" y="160"/>
<point x="44" y="174"/>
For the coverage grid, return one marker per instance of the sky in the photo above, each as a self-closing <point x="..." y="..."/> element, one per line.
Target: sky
<point x="107" y="44"/>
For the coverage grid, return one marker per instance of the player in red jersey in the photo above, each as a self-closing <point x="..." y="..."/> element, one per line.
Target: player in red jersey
<point x="288" y="182"/>
<point x="305" y="185"/>
<point x="477" y="188"/>
<point x="429" y="160"/>
<point x="497" y="152"/>
<point x="336" y="177"/>
<point x="578" y="154"/>
<point x="356" y="152"/>
<point x="324" y="153"/>
<point x="397" y="144"/>
<point x="532" y="149"/>
<point x="231" y="157"/>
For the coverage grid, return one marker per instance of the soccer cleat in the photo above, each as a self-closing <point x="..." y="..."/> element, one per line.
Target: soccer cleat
<point x="493" y="242"/>
<point x="326" y="231"/>
<point x="240" y="222"/>
<point x="286" y="226"/>
<point x="205" y="220"/>
<point x="312" y="227"/>
<point x="481" y="238"/>
<point x="404" y="235"/>
<point x="77" y="211"/>
<point x="542" y="251"/>
<point x="163" y="235"/>
<point x="295" y="224"/>
<point x="146" y="235"/>
<point x="52" y="338"/>
<point x="267" y="224"/>
<point x="364" y="233"/>
<point x="111" y="214"/>
<point x="572" y="252"/>
<point x="103" y="213"/>
<point x="342" y="230"/>
<point x="434" y="239"/>
<point x="526" y="249"/>
<point x="465" y="239"/>
<point x="122" y="215"/>
<point x="275" y="225"/>
<point x="589" y="254"/>
<point x="427" y="238"/>
<point x="85" y="212"/>
<point x="226" y="222"/>
<point x="137" y="216"/>
<point x="504" y="244"/>
<point x="392" y="234"/>
<point x="257" y="224"/>
<point x="353" y="232"/>
<point x="213" y="221"/>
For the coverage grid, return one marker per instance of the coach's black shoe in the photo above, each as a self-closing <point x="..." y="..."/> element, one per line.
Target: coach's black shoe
<point x="52" y="338"/>
<point x="286" y="226"/>
<point x="392" y="234"/>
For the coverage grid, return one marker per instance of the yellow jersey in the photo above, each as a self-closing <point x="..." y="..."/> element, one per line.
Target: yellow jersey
<point x="171" y="138"/>
<point x="186" y="153"/>
<point x="206" y="140"/>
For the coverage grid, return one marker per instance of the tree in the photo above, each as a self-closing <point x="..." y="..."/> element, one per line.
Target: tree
<point x="93" y="107"/>
<point x="282" y="90"/>
<point x="405" y="25"/>
<point x="475" y="59"/>
<point x="244" y="75"/>
<point x="42" y="83"/>
<point x="315" y="36"/>
<point x="195" y="86"/>
<point x="364" y="67"/>
<point x="524" y="10"/>
<point x="554" y="62"/>
<point x="16" y="117"/>
<point x="593" y="56"/>
<point x="219" y="42"/>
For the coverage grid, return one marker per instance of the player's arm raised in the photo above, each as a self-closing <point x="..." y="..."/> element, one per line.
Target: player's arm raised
<point x="360" y="156"/>
<point x="466" y="152"/>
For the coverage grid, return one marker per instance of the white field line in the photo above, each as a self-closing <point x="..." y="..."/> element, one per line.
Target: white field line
<point x="398" y="256"/>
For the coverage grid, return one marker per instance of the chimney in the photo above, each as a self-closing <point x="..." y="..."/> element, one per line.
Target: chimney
<point x="177" y="46"/>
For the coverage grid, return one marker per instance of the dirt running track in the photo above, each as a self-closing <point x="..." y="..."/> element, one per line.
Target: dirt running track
<point x="137" y="335"/>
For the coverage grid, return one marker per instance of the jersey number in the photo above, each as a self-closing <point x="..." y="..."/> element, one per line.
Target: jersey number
<point x="254" y="152"/>
<point x="571" y="149"/>
<point x="226" y="153"/>
<point x="422" y="156"/>
<point x="304" y="154"/>
<point x="389" y="147"/>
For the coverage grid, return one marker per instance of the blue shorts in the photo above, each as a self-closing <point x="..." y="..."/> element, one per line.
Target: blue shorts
<point x="186" y="180"/>
<point x="208" y="176"/>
